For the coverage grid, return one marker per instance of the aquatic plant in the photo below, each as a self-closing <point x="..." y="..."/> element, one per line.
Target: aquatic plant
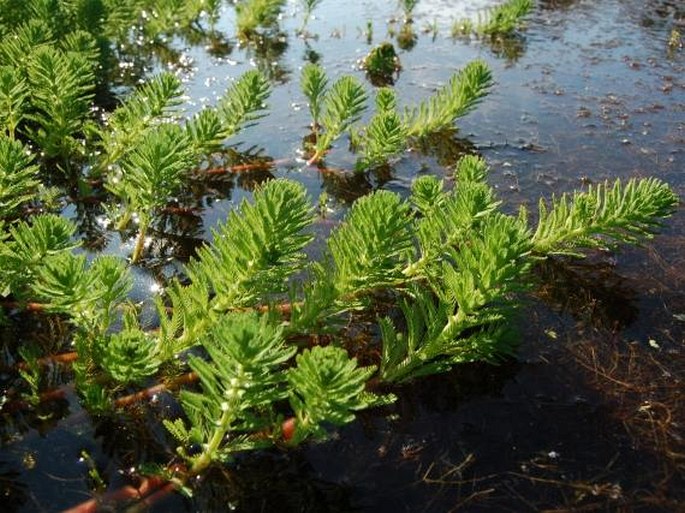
<point x="504" y="18"/>
<point x="342" y="105"/>
<point x="500" y="20"/>
<point x="460" y="95"/>
<point x="18" y="176"/>
<point x="252" y="14"/>
<point x="381" y="64"/>
<point x="339" y="107"/>
<point x="675" y="40"/>
<point x="407" y="7"/>
<point x="308" y="7"/>
<point x="314" y="83"/>
<point x="453" y="260"/>
<point x="150" y="157"/>
<point x="252" y="329"/>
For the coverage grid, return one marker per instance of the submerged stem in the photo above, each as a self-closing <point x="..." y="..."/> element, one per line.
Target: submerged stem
<point x="222" y="426"/>
<point x="140" y="242"/>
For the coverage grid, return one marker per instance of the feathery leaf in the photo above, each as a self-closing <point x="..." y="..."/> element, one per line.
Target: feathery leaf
<point x="373" y="244"/>
<point x="244" y="102"/>
<point x="327" y="386"/>
<point x="18" y="176"/>
<point x="504" y="18"/>
<point x="314" y="83"/>
<point x="258" y="247"/>
<point x="624" y="213"/>
<point x="458" y="97"/>
<point x="157" y="101"/>
<point x="343" y="105"/>
<point x="14" y="94"/>
<point x="61" y="86"/>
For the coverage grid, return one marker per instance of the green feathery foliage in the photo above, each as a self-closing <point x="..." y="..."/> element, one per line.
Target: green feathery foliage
<point x="185" y="321"/>
<point x="111" y="284"/>
<point x="244" y="102"/>
<point x="381" y="64"/>
<point x="48" y="66"/>
<point x="432" y="342"/>
<point x="83" y="44"/>
<point x="62" y="283"/>
<point x="327" y="387"/>
<point x="155" y="102"/>
<point x="335" y="110"/>
<point x="308" y="6"/>
<point x="28" y="36"/>
<point x="94" y="296"/>
<point x="459" y="96"/>
<point x="252" y="14"/>
<point x="385" y="135"/>
<point x="314" y="84"/>
<point x="452" y="260"/>
<point x="343" y="105"/>
<point x="386" y="100"/>
<point x="448" y="219"/>
<point x="474" y="259"/>
<point x="206" y="132"/>
<point x="151" y="155"/>
<point x="504" y="18"/>
<point x="29" y="246"/>
<point x="623" y="213"/>
<point x="487" y="269"/>
<point x="427" y="194"/>
<point x="240" y="385"/>
<point x="14" y="94"/>
<point x="121" y="16"/>
<point x="258" y="247"/>
<point x="61" y="85"/>
<point x="18" y="176"/>
<point x="388" y="133"/>
<point x="32" y="374"/>
<point x="370" y="249"/>
<point x="151" y="172"/>
<point x="130" y="355"/>
<point x="89" y="293"/>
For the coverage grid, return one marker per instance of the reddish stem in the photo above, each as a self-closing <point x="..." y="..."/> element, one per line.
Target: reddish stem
<point x="181" y="211"/>
<point x="156" y="496"/>
<point x="127" y="400"/>
<point x="29" y="307"/>
<point x="155" y="488"/>
<point x="250" y="166"/>
<point x="44" y="361"/>
<point x="288" y="428"/>
<point x="148" y="487"/>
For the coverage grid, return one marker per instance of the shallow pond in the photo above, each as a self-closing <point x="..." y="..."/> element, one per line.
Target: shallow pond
<point x="589" y="417"/>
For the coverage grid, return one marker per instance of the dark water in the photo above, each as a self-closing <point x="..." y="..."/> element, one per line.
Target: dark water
<point x="589" y="417"/>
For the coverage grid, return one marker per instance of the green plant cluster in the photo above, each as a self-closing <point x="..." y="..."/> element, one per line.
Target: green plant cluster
<point x="501" y="20"/>
<point x="335" y="110"/>
<point x="452" y="261"/>
<point x="436" y="275"/>
<point x="381" y="64"/>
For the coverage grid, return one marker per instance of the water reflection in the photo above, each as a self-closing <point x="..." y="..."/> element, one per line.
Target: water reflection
<point x="267" y="51"/>
<point x="446" y="147"/>
<point x="406" y="37"/>
<point x="510" y="47"/>
<point x="590" y="291"/>
<point x="271" y="482"/>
